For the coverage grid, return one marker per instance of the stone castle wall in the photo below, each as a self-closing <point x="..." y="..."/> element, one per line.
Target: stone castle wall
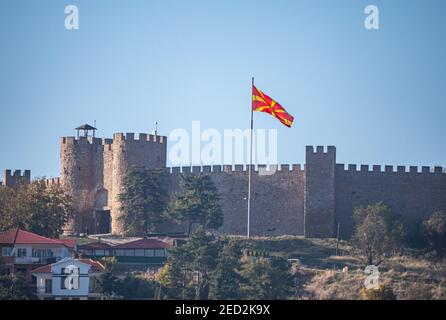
<point x="414" y="194"/>
<point x="277" y="205"/>
<point x="309" y="200"/>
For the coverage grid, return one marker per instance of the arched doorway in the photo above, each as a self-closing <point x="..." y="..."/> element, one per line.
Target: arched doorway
<point x="102" y="217"/>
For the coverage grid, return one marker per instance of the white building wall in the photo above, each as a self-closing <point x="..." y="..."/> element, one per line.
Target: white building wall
<point x="84" y="280"/>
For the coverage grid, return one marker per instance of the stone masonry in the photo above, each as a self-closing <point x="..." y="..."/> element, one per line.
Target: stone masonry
<point x="309" y="200"/>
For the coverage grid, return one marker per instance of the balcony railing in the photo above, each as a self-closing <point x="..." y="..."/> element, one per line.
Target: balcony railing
<point x="35" y="260"/>
<point x="27" y="260"/>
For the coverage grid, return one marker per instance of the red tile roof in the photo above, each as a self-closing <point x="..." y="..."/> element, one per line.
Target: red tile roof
<point x="70" y="243"/>
<point x="18" y="236"/>
<point x="144" y="244"/>
<point x="96" y="266"/>
<point x="95" y="245"/>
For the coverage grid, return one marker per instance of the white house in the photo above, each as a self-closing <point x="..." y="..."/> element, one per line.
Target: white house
<point x="68" y="279"/>
<point x="23" y="251"/>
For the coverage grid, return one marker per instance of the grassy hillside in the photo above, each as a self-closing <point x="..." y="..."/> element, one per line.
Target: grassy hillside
<point x="319" y="273"/>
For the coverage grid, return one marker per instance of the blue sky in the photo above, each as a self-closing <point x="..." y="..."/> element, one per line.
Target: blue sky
<point x="378" y="96"/>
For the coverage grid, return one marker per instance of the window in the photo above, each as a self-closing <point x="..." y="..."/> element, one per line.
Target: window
<point x="160" y="252"/>
<point x="48" y="285"/>
<point x="120" y="252"/>
<point x="21" y="252"/>
<point x="70" y="278"/>
<point x="149" y="253"/>
<point x="100" y="252"/>
<point x="129" y="252"/>
<point x="6" y="251"/>
<point x="139" y="252"/>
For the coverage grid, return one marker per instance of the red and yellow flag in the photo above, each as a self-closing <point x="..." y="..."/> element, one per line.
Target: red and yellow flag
<point x="261" y="102"/>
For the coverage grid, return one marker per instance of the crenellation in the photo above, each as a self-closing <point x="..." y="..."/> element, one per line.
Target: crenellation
<point x="352" y="168"/>
<point x="52" y="182"/>
<point x="206" y="169"/>
<point x="376" y="168"/>
<point x="216" y="168"/>
<point x="186" y="169"/>
<point x="425" y="169"/>
<point x="196" y="169"/>
<point x="297" y="168"/>
<point x="261" y="168"/>
<point x="68" y="140"/>
<point x="129" y="136"/>
<point x="143" y="137"/>
<point x="118" y="137"/>
<point x="364" y="168"/>
<point x="438" y="169"/>
<point x="176" y="169"/>
<point x="238" y="168"/>
<point x="413" y="169"/>
<point x="401" y="169"/>
<point x="14" y="179"/>
<point x="227" y="168"/>
<point x="285" y="167"/>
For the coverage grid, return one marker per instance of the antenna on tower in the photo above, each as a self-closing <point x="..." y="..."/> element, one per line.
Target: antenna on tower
<point x="156" y="128"/>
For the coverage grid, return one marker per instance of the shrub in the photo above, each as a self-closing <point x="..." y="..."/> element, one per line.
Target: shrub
<point x="380" y="293"/>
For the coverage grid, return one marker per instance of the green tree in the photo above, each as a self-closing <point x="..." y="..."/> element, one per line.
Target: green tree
<point x="187" y="273"/>
<point x="378" y="231"/>
<point x="143" y="200"/>
<point x="435" y="233"/>
<point x="14" y="287"/>
<point x="36" y="208"/>
<point x="225" y="278"/>
<point x="198" y="203"/>
<point x="107" y="283"/>
<point x="174" y="279"/>
<point x="266" y="279"/>
<point x="134" y="287"/>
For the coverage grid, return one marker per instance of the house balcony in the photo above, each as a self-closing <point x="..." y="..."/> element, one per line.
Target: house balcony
<point x="35" y="260"/>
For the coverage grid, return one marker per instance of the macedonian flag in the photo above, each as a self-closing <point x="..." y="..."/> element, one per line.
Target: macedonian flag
<point x="261" y="102"/>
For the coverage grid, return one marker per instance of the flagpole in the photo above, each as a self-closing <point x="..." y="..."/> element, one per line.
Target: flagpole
<point x="250" y="167"/>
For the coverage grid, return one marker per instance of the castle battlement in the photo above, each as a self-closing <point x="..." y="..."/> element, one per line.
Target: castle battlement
<point x="81" y="140"/>
<point x="15" y="178"/>
<point x="52" y="182"/>
<point x="128" y="137"/>
<point x="143" y="137"/>
<point x="320" y="150"/>
<point x="388" y="169"/>
<point x="314" y="197"/>
<point x="238" y="168"/>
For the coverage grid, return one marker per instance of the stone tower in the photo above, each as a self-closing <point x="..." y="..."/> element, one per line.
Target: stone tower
<point x="319" y="207"/>
<point x="93" y="172"/>
<point x="149" y="151"/>
<point x="78" y="172"/>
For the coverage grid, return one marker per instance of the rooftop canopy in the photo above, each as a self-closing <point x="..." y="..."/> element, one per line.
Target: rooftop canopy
<point x="86" y="128"/>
